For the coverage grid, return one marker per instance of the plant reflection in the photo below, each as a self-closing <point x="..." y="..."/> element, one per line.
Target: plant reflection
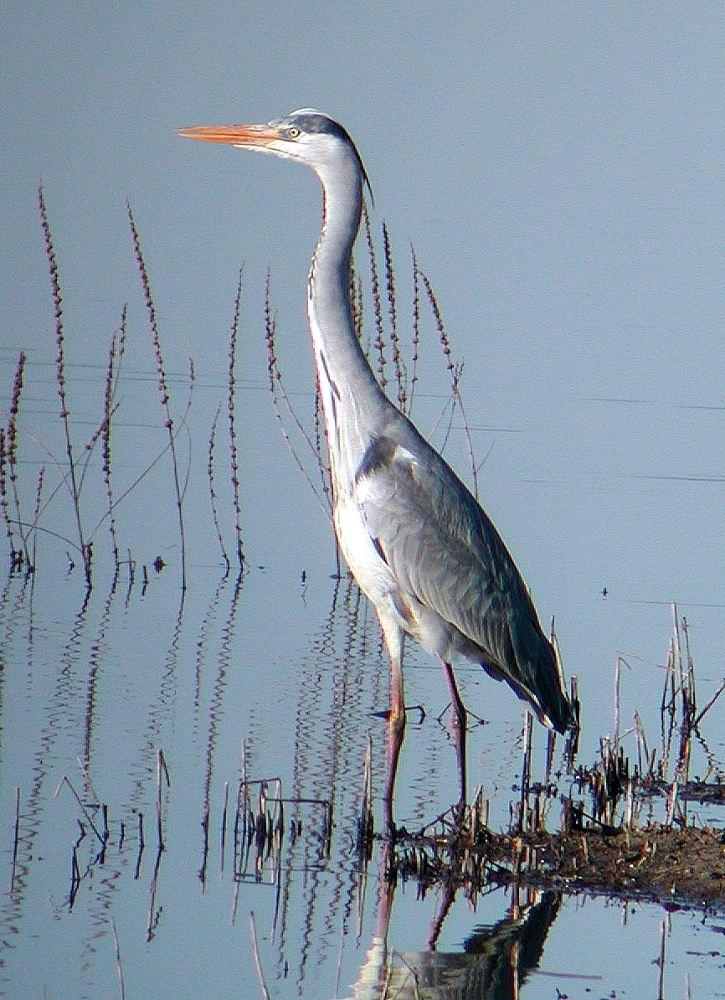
<point x="133" y="708"/>
<point x="492" y="965"/>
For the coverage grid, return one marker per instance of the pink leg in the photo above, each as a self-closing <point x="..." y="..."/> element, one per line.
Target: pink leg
<point x="458" y="728"/>
<point x="396" y="716"/>
<point x="396" y="732"/>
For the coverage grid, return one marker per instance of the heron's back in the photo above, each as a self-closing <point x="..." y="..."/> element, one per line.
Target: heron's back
<point x="438" y="565"/>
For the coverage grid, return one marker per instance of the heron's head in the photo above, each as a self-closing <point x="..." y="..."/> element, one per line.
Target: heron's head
<point x="307" y="135"/>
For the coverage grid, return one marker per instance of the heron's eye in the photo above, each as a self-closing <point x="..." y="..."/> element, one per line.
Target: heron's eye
<point x="293" y="133"/>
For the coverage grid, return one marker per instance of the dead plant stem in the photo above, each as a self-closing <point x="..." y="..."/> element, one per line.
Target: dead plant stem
<point x="163" y="387"/>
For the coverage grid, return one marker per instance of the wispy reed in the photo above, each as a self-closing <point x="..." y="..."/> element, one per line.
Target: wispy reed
<point x="163" y="387"/>
<point x="401" y="377"/>
<point x="115" y="356"/>
<point x="9" y="492"/>
<point x="211" y="454"/>
<point x="415" y="323"/>
<point x="454" y="370"/>
<point x="379" y="341"/>
<point x="279" y="394"/>
<point x="231" y="410"/>
<point x="60" y="371"/>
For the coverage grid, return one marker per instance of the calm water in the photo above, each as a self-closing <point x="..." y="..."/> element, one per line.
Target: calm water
<point x="137" y="712"/>
<point x="91" y="693"/>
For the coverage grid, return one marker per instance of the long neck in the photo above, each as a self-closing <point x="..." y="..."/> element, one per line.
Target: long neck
<point x="353" y="402"/>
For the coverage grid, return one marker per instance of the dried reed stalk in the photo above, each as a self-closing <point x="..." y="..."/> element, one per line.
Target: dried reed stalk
<point x="661" y="961"/>
<point x="357" y="301"/>
<point x="278" y="392"/>
<point x="231" y="411"/>
<point x="379" y="342"/>
<point x="65" y="780"/>
<point x="454" y="371"/>
<point x="365" y="823"/>
<point x="60" y="372"/>
<point x="212" y="491"/>
<point x="9" y="476"/>
<point x="223" y="828"/>
<point x="108" y="409"/>
<point x="415" y="341"/>
<point x="525" y="772"/>
<point x="398" y="363"/>
<point x="163" y="387"/>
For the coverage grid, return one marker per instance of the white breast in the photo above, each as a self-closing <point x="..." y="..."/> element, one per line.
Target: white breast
<point x="372" y="573"/>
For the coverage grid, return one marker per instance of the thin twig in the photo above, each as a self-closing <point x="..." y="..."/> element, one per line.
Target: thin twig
<point x="709" y="705"/>
<point x="65" y="780"/>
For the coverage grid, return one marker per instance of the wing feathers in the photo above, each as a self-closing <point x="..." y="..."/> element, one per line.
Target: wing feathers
<point x="445" y="552"/>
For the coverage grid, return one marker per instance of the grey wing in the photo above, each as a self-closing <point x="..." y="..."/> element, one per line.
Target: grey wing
<point x="444" y="551"/>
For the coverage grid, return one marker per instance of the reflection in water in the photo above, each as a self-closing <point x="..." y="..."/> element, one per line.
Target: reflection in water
<point x="98" y="696"/>
<point x="96" y="664"/>
<point x="216" y="704"/>
<point x="64" y="692"/>
<point x="337" y="683"/>
<point x="342" y="677"/>
<point x="493" y="964"/>
<point x="59" y="719"/>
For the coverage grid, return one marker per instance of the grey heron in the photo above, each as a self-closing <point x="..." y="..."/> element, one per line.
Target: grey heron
<point x="416" y="540"/>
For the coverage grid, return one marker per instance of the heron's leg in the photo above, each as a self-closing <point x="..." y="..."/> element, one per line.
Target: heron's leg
<point x="396" y="715"/>
<point x="458" y="728"/>
<point x="396" y="732"/>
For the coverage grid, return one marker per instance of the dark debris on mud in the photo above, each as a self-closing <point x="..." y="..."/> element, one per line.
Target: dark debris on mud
<point x="675" y="867"/>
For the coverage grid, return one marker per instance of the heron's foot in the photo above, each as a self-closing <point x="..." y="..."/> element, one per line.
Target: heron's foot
<point x="468" y="719"/>
<point x="408" y="708"/>
<point x="419" y="709"/>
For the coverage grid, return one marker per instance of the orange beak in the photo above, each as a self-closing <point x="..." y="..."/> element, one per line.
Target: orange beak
<point x="235" y="135"/>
